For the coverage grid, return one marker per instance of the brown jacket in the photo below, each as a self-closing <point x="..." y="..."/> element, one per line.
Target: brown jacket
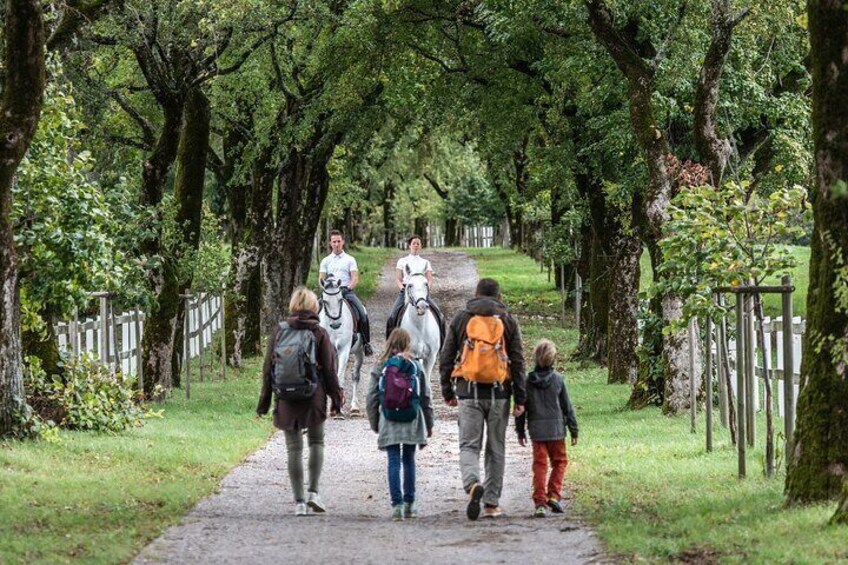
<point x="296" y="415"/>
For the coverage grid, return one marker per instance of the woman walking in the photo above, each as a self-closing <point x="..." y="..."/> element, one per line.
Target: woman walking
<point x="306" y="408"/>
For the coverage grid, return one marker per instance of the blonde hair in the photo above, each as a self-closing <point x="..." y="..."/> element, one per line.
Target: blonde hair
<point x="398" y="342"/>
<point x="545" y="353"/>
<point x="303" y="299"/>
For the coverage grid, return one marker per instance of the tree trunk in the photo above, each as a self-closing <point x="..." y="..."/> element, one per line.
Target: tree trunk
<point x="640" y="76"/>
<point x="20" y="110"/>
<point x="159" y="344"/>
<point x="841" y="515"/>
<point x="389" y="239"/>
<point x="819" y="462"/>
<point x="622" y="361"/>
<point x="451" y="232"/>
<point x="593" y="337"/>
<point x="243" y="301"/>
<point x="301" y="195"/>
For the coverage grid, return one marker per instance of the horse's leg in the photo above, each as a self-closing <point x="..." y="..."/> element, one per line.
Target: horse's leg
<point x="344" y="353"/>
<point x="358" y="357"/>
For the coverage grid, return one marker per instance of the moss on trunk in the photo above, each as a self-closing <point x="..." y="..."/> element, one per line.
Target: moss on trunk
<point x="819" y="461"/>
<point x="23" y="89"/>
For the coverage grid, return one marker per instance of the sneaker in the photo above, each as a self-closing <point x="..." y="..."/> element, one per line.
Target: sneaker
<point x="555" y="506"/>
<point x="300" y="509"/>
<point x="410" y="510"/>
<point x="492" y="512"/>
<point x="315" y="502"/>
<point x="476" y="493"/>
<point x="397" y="513"/>
<point x="540" y="512"/>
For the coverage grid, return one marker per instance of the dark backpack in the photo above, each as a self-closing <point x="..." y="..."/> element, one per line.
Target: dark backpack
<point x="400" y="390"/>
<point x="295" y="373"/>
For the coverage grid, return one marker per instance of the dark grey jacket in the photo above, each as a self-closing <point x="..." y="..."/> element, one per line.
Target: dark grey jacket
<point x="548" y="410"/>
<point x="514" y="386"/>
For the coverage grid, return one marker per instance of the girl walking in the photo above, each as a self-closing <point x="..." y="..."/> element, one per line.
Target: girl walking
<point x="548" y="413"/>
<point x="400" y="410"/>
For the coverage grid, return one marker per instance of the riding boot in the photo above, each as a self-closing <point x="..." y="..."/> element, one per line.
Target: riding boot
<point x="365" y="332"/>
<point x="393" y="320"/>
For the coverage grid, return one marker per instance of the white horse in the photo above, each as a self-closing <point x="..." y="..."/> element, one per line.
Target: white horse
<point x="421" y="322"/>
<point x="336" y="317"/>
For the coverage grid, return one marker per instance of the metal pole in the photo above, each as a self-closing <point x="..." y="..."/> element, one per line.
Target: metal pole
<point x="693" y="391"/>
<point x="708" y="377"/>
<point x="788" y="372"/>
<point x="740" y="385"/>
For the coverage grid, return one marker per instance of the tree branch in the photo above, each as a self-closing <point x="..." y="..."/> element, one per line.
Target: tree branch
<point x="436" y="186"/>
<point x="76" y="14"/>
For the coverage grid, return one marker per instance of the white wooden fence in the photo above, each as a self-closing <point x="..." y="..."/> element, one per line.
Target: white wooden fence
<point x="774" y="335"/>
<point x="116" y="338"/>
<point x="477" y="236"/>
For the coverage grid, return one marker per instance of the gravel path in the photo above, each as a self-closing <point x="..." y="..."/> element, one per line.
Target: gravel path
<point x="251" y="519"/>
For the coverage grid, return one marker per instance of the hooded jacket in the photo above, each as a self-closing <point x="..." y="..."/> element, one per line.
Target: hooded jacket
<point x="548" y="410"/>
<point x="296" y="415"/>
<point x="514" y="385"/>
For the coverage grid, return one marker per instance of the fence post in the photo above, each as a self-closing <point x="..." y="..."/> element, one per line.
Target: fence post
<point x="116" y="354"/>
<point x="740" y="384"/>
<point x="200" y="337"/>
<point x="693" y="391"/>
<point x="104" y="327"/>
<point x="708" y="378"/>
<point x="751" y="385"/>
<point x="223" y="337"/>
<point x="138" y="353"/>
<point x="722" y="363"/>
<point x="788" y="371"/>
<point x="75" y="337"/>
<point x="187" y="343"/>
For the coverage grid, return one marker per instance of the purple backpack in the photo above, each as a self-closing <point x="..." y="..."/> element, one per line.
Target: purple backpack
<point x="400" y="390"/>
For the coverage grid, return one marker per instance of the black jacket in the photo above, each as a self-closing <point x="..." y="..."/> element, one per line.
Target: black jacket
<point x="514" y="386"/>
<point x="548" y="410"/>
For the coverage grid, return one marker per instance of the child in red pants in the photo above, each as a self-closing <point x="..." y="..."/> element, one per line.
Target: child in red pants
<point x="548" y="412"/>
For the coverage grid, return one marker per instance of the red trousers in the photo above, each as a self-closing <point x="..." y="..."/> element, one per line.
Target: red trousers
<point x="545" y="488"/>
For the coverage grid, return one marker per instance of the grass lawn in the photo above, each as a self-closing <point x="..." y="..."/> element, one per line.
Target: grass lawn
<point x="100" y="498"/>
<point x="771" y="304"/>
<point x="646" y="483"/>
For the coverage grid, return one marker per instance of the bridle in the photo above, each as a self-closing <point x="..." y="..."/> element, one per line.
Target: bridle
<point x="325" y="304"/>
<point x="411" y="300"/>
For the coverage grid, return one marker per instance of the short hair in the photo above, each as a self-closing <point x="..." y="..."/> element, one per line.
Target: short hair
<point x="545" y="353"/>
<point x="336" y="232"/>
<point x="488" y="287"/>
<point x="413" y="236"/>
<point x="303" y="299"/>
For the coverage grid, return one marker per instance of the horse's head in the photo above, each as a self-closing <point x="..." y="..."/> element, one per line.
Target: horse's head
<point x="331" y="297"/>
<point x="417" y="293"/>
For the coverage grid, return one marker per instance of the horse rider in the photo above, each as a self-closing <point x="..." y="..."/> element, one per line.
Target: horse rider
<point x="344" y="269"/>
<point x="413" y="264"/>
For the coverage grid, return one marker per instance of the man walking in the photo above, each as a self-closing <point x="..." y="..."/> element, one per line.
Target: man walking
<point x="344" y="269"/>
<point x="482" y="367"/>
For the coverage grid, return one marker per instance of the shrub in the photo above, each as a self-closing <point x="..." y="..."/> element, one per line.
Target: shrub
<point x="87" y="397"/>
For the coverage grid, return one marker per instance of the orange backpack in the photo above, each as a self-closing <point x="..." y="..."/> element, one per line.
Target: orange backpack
<point x="483" y="358"/>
